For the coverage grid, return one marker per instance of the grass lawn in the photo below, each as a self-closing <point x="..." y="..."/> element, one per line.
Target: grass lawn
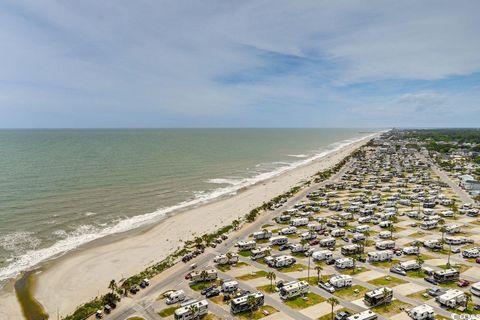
<point x="385" y="264"/>
<point x="350" y="271"/>
<point x="267" y="288"/>
<point x="421" y="295"/>
<point x="211" y="316"/>
<point x="245" y="253"/>
<point x="458" y="266"/>
<point x="227" y="267"/>
<point x="328" y="316"/>
<point x="217" y="299"/>
<point x="387" y="281"/>
<point x="309" y="300"/>
<point x="449" y="285"/>
<point x="135" y="318"/>
<point x="254" y="275"/>
<point x="418" y="234"/>
<point x="468" y="310"/>
<point x="295" y="267"/>
<point x="417" y="274"/>
<point x="167" y="311"/>
<point x="263" y="311"/>
<point x="266" y="225"/>
<point x="202" y="285"/>
<point x="353" y="293"/>
<point x="314" y="279"/>
<point x="392" y="308"/>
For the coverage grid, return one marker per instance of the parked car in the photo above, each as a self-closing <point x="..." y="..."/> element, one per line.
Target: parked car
<point x="430" y="280"/>
<point x="212" y="293"/>
<point x="435" y="292"/>
<point x="398" y="270"/>
<point x="134" y="289"/>
<point x="208" y="289"/>
<point x="326" y="286"/>
<point x="284" y="247"/>
<point x="462" y="283"/>
<point x="342" y="315"/>
<point x="314" y="242"/>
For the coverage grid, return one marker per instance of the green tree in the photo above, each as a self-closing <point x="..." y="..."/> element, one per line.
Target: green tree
<point x="333" y="302"/>
<point x="193" y="309"/>
<point x="319" y="271"/>
<point x="272" y="277"/>
<point x="252" y="304"/>
<point x="112" y="286"/>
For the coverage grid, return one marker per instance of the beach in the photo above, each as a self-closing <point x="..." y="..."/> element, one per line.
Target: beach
<point x="82" y="274"/>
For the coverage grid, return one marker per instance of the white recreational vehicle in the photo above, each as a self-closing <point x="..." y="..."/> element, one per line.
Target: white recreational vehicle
<point x="241" y="304"/>
<point x="475" y="289"/>
<point x="246" y="245"/>
<point x="433" y="244"/>
<point x="322" y="255"/>
<point x="175" y="297"/>
<point x="351" y="249"/>
<point x="260" y="253"/>
<point x="364" y="315"/>
<point x="471" y="253"/>
<point x="298" y="222"/>
<point x="279" y="240"/>
<point x="337" y="232"/>
<point x="344" y="263"/>
<point x="315" y="227"/>
<point x="385" y="234"/>
<point x="384" y="245"/>
<point x="309" y="235"/>
<point x="447" y="275"/>
<point x="294" y="289"/>
<point x="264" y="234"/>
<point x="229" y="286"/>
<point x="410" y="250"/>
<point x="409" y="265"/>
<point x="229" y="258"/>
<point x="379" y="256"/>
<point x="428" y="224"/>
<point x="385" y="224"/>
<point x="281" y="261"/>
<point x="457" y="240"/>
<point x="452" y="298"/>
<point x="296" y="248"/>
<point x="198" y="276"/>
<point x="452" y="228"/>
<point x="362" y="228"/>
<point x="341" y="281"/>
<point x="327" y="242"/>
<point x="422" y="312"/>
<point x="378" y="297"/>
<point x="186" y="312"/>
<point x="288" y="230"/>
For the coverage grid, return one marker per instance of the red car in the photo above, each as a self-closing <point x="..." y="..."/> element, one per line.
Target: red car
<point x="463" y="283"/>
<point x="314" y="242"/>
<point x="477" y="260"/>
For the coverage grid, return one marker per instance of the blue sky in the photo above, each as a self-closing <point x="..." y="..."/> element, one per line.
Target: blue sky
<point x="239" y="63"/>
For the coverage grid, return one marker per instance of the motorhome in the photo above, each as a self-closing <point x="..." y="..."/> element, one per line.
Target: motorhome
<point x="379" y="256"/>
<point x="341" y="281"/>
<point x="351" y="249"/>
<point x="428" y="224"/>
<point x="322" y="255"/>
<point x="246" y="245"/>
<point x="315" y="227"/>
<point x="346" y="215"/>
<point x="288" y="230"/>
<point x="364" y="219"/>
<point x="452" y="298"/>
<point x="327" y="242"/>
<point x="385" y="235"/>
<point x="344" y="263"/>
<point x="186" y="312"/>
<point x="309" y="235"/>
<point x="452" y="228"/>
<point x="260" y="253"/>
<point x="296" y="248"/>
<point x="294" y="289"/>
<point x="378" y="297"/>
<point x="384" y="245"/>
<point x="457" y="240"/>
<point x="242" y="304"/>
<point x="337" y="232"/>
<point x="364" y="315"/>
<point x="471" y="253"/>
<point x="278" y="240"/>
<point x="362" y="228"/>
<point x="229" y="286"/>
<point x="298" y="222"/>
<point x="433" y="244"/>
<point x="283" y="218"/>
<point x="359" y="237"/>
<point x="229" y="258"/>
<point x="413" y="214"/>
<point x="475" y="289"/>
<point x="447" y="213"/>
<point x="385" y="224"/>
<point x="199" y="275"/>
<point x="281" y="261"/>
<point x="422" y="312"/>
<point x="175" y="297"/>
<point x="264" y="234"/>
<point x="409" y="265"/>
<point x="447" y="275"/>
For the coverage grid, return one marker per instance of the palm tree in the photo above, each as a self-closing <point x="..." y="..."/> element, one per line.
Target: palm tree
<point x="204" y="275"/>
<point x="468" y="299"/>
<point x="354" y="267"/>
<point x="193" y="308"/>
<point x="252" y="304"/>
<point x="443" y="230"/>
<point x="319" y="270"/>
<point x="333" y="302"/>
<point x="420" y="262"/>
<point x="272" y="277"/>
<point x="235" y="224"/>
<point x="112" y="286"/>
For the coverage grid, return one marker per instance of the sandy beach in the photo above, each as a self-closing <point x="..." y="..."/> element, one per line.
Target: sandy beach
<point x="82" y="274"/>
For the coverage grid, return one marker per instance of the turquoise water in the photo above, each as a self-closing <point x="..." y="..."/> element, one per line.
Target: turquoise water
<point x="62" y="188"/>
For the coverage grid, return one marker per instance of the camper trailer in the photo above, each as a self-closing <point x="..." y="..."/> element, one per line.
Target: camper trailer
<point x="362" y="228"/>
<point x="175" y="297"/>
<point x="433" y="244"/>
<point x="229" y="258"/>
<point x="428" y="224"/>
<point x="246" y="245"/>
<point x="241" y="304"/>
<point x="452" y="298"/>
<point x="322" y="255"/>
<point x="298" y="222"/>
<point x="422" y="312"/>
<point x="471" y="253"/>
<point x="447" y="275"/>
<point x="378" y="297"/>
<point x="409" y="265"/>
<point x="364" y="315"/>
<point x="344" y="263"/>
<point x="351" y="249"/>
<point x="288" y="230"/>
<point x="452" y="228"/>
<point x="279" y="240"/>
<point x="294" y="289"/>
<point x="359" y="237"/>
<point x="186" y="312"/>
<point x="379" y="256"/>
<point x="337" y="232"/>
<point x="281" y="261"/>
<point x="315" y="227"/>
<point x="475" y="289"/>
<point x="384" y="245"/>
<point x="327" y="242"/>
<point x="283" y="218"/>
<point x="457" y="240"/>
<point x="264" y="234"/>
<point x="260" y="253"/>
<point x="197" y="276"/>
<point x="385" y="224"/>
<point x="296" y="248"/>
<point x="229" y="286"/>
<point x="309" y="235"/>
<point x="341" y="281"/>
<point x="385" y="235"/>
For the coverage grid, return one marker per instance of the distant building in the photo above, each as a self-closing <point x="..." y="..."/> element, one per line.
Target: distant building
<point x="469" y="183"/>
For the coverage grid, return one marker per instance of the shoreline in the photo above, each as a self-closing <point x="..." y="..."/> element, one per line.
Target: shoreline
<point x="75" y="277"/>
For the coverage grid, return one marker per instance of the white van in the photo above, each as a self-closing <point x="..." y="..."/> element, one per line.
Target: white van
<point x="175" y="297"/>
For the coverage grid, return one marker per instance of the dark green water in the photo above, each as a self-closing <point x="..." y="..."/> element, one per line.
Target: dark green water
<point x="62" y="188"/>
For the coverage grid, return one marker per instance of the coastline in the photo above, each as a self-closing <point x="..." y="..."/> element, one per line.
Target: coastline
<point x="80" y="275"/>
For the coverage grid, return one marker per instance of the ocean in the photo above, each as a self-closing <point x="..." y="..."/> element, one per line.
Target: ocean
<point x="63" y="188"/>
